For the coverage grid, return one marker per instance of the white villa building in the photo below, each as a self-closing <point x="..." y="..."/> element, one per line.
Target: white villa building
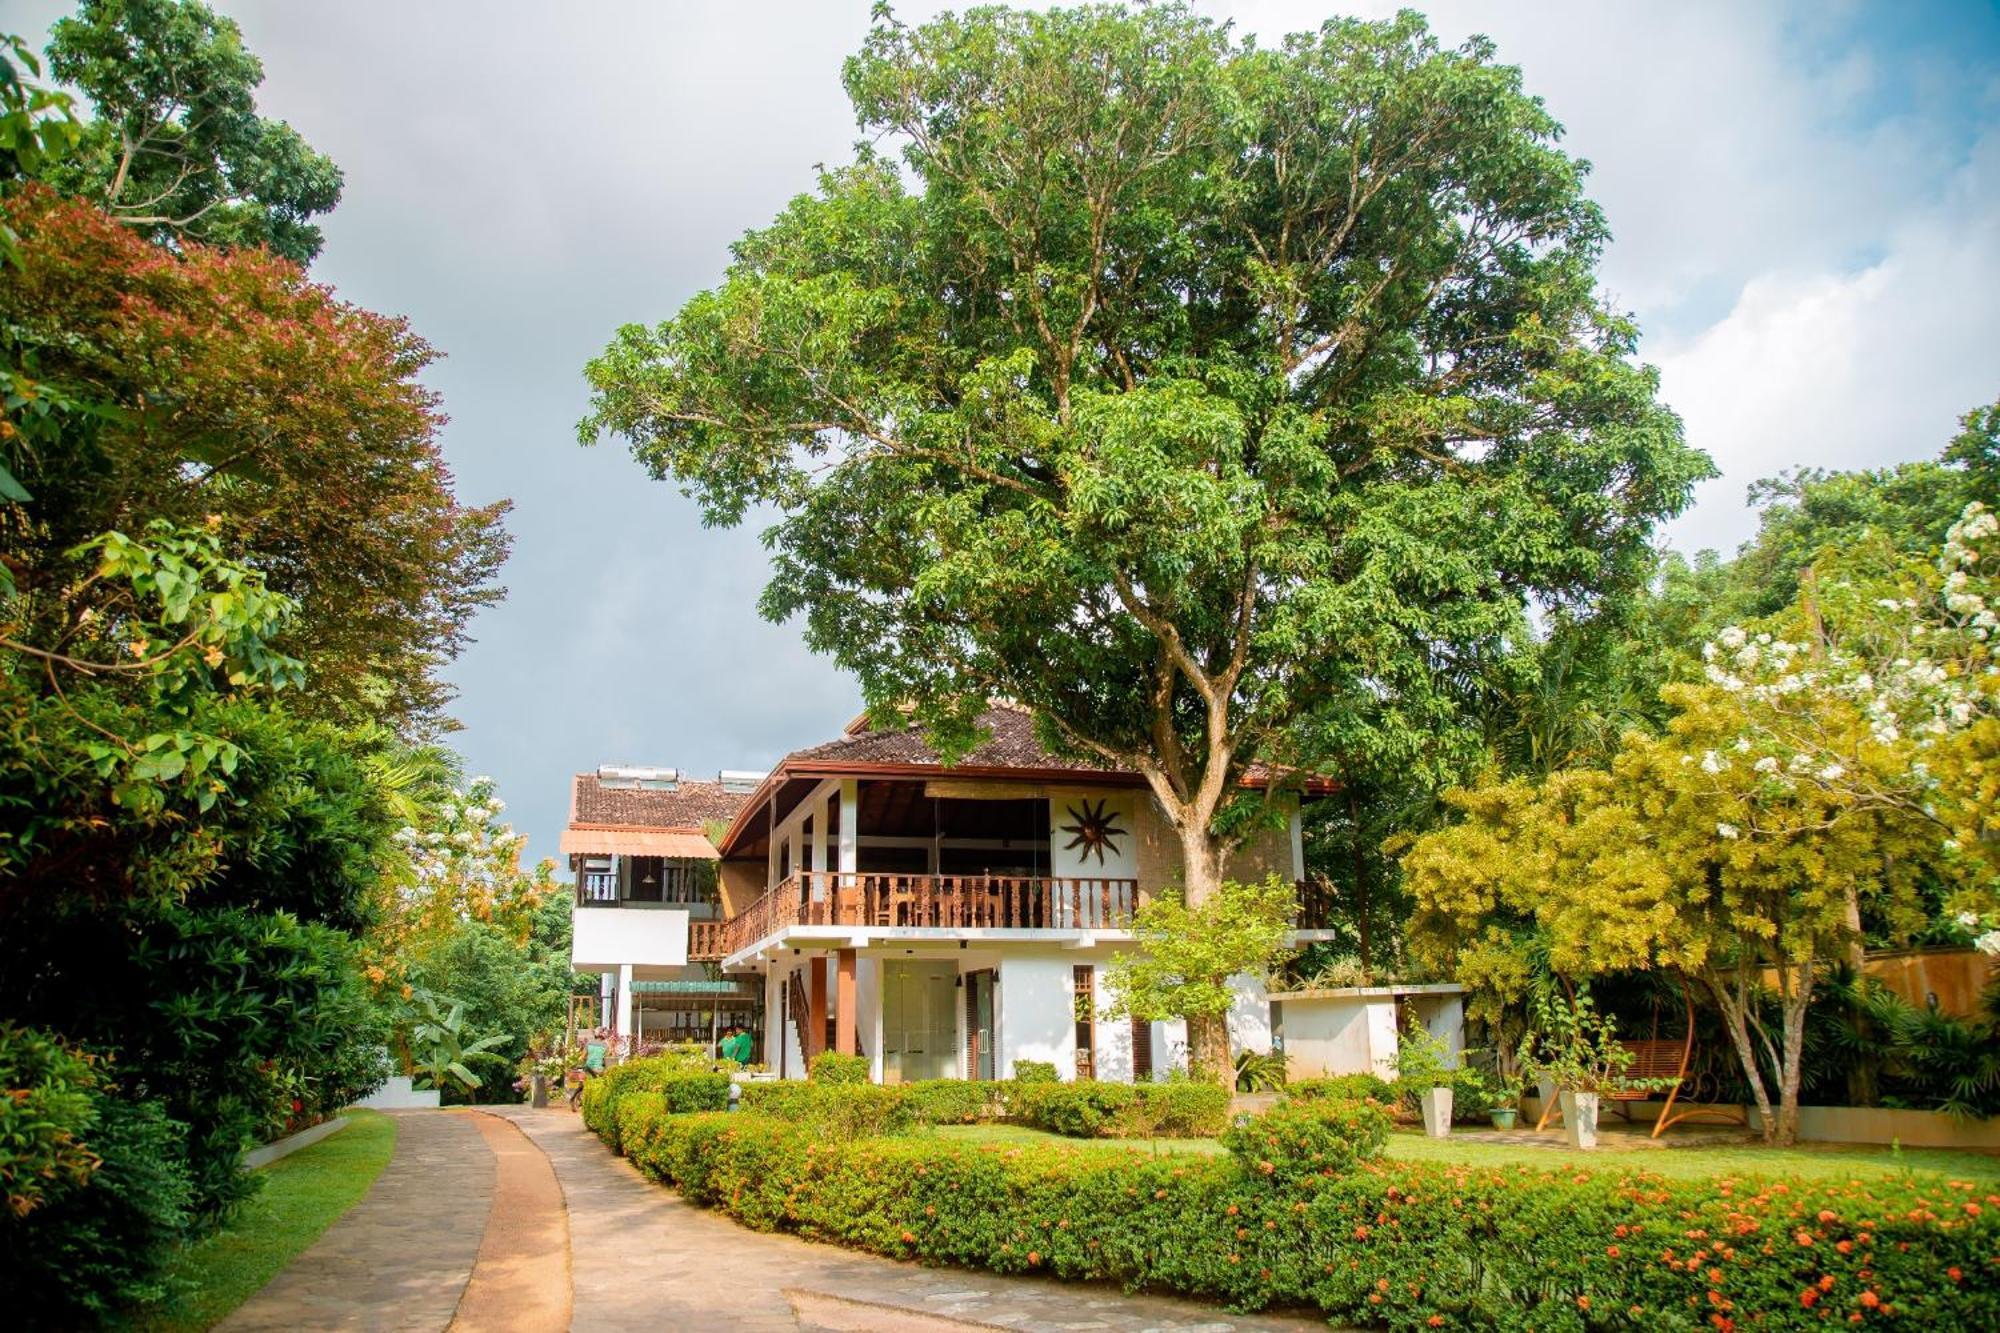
<point x="863" y="897"/>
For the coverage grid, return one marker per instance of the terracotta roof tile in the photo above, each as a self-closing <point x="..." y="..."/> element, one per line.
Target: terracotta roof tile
<point x="1010" y="743"/>
<point x="689" y="805"/>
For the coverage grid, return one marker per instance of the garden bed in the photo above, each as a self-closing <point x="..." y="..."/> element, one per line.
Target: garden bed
<point x="1301" y="1207"/>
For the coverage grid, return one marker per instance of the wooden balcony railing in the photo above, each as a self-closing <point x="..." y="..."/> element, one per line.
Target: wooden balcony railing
<point x="705" y="941"/>
<point x="960" y="902"/>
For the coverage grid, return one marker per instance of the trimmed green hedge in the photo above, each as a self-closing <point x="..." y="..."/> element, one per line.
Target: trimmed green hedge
<point x="682" y="1085"/>
<point x="834" y="1110"/>
<point x="1401" y="1245"/>
<point x="1352" y="1087"/>
<point x="1090" y="1109"/>
<point x="836" y="1067"/>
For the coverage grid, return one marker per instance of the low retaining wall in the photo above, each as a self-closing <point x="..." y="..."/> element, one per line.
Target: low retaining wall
<point x="1824" y="1124"/>
<point x="291" y="1143"/>
<point x="400" y="1094"/>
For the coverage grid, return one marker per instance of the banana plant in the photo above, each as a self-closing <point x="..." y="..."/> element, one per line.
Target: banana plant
<point x="438" y="1042"/>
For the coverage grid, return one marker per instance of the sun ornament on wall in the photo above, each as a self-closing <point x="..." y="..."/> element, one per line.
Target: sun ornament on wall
<point x="1096" y="831"/>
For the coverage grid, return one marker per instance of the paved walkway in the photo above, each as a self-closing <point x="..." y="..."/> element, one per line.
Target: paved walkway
<point x="520" y="1219"/>
<point x="400" y="1258"/>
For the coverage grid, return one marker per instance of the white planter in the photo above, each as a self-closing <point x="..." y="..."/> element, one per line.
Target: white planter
<point x="1437" y="1111"/>
<point x="1580" y="1118"/>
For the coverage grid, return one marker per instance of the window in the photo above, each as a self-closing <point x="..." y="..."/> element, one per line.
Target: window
<point x="599" y="883"/>
<point x="1084" y="981"/>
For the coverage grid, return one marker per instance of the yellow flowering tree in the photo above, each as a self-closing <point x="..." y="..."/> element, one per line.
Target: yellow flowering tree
<point x="1827" y="760"/>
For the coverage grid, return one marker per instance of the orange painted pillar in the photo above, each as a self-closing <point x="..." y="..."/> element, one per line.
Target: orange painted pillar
<point x="815" y="1041"/>
<point x="843" y="1008"/>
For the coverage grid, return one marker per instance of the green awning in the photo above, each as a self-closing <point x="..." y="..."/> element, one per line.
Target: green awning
<point x="692" y="988"/>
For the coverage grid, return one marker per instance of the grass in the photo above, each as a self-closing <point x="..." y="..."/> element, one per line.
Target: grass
<point x="302" y="1196"/>
<point x="1832" y="1161"/>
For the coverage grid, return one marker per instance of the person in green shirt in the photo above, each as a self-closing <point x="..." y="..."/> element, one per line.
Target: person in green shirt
<point x="736" y="1046"/>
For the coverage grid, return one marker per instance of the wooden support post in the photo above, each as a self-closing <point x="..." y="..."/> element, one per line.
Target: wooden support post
<point x="812" y="1043"/>
<point x="843" y="1011"/>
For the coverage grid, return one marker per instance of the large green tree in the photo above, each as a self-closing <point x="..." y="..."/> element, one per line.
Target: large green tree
<point x="176" y="148"/>
<point x="1221" y="404"/>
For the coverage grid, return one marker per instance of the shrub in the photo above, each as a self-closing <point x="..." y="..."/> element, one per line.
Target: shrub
<point x="1471" y="1095"/>
<point x="1384" y="1243"/>
<point x="1342" y="1087"/>
<point x="1298" y="1144"/>
<point x="1178" y="1108"/>
<point x="840" y="1110"/>
<point x="46" y="1108"/>
<point x="1082" y="1109"/>
<point x="835" y="1067"/>
<point x="95" y="1246"/>
<point x="1034" y="1071"/>
<point x="951" y="1101"/>
<point x="1088" y="1109"/>
<point x="683" y="1085"/>
<point x="634" y="1116"/>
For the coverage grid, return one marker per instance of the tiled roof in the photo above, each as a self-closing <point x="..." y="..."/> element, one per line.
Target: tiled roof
<point x="1010" y="743"/>
<point x="689" y="805"/>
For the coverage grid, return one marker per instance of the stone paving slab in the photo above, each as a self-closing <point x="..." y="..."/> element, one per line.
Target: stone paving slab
<point x="399" y="1259"/>
<point x="640" y="1258"/>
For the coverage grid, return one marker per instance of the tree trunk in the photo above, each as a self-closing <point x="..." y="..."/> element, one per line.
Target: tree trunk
<point x="1736" y="1019"/>
<point x="1201" y="860"/>
<point x="1359" y="860"/>
<point x="1796" y="1000"/>
<point x="1208" y="1050"/>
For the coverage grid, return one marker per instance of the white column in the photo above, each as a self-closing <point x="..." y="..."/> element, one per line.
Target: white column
<point x="625" y="1012"/>
<point x="1298" y="849"/>
<point x="819" y="833"/>
<point x="850" y="825"/>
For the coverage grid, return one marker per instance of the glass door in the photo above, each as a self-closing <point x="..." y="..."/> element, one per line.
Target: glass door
<point x="979" y="1024"/>
<point x="919" y="1029"/>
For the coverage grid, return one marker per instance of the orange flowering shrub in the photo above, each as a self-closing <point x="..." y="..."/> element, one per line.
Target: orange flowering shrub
<point x="1377" y="1243"/>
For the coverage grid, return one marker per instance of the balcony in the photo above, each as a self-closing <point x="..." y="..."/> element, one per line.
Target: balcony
<point x="948" y="902"/>
<point x="705" y="941"/>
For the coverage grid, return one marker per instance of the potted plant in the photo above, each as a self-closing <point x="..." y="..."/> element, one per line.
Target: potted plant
<point x="1506" y="1103"/>
<point x="1577" y="1049"/>
<point x="1423" y="1069"/>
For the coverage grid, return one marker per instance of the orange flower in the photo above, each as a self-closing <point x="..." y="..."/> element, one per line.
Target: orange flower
<point x="1583" y="1302"/>
<point x="1033" y="1258"/>
<point x="1870" y="1299"/>
<point x="1435" y="1321"/>
<point x="1611" y="1250"/>
<point x="909" y="1238"/>
<point x="1953" y="1273"/>
<point x="1809" y="1297"/>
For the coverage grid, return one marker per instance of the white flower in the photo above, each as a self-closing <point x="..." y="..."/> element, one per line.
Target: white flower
<point x="1832" y="773"/>
<point x="1711" y="762"/>
<point x="1726" y="830"/>
<point x="1768" y="764"/>
<point x="1967" y="920"/>
<point x="1733" y="638"/>
<point x="1988" y="943"/>
<point x="1743" y="745"/>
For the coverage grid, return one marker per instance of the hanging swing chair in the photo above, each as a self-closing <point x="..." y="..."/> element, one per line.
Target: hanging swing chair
<point x="1657" y="1059"/>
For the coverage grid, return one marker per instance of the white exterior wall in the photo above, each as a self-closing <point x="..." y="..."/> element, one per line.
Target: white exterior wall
<point x="604" y="938"/>
<point x="1340" y="1037"/>
<point x="1249" y="1015"/>
<point x="1114" y="1037"/>
<point x="1036" y="1018"/>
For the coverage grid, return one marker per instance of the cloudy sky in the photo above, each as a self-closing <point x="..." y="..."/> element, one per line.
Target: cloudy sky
<point x="1806" y="200"/>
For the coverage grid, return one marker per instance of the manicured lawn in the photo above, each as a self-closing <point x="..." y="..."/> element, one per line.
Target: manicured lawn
<point x="302" y="1196"/>
<point x="1827" y="1161"/>
<point x="1819" y="1161"/>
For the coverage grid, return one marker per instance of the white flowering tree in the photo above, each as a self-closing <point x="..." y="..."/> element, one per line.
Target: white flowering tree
<point x="462" y="863"/>
<point x="1831" y="758"/>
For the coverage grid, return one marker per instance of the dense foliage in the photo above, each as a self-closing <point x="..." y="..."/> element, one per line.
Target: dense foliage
<point x="222" y="388"/>
<point x="1220" y="403"/>
<point x="231" y="563"/>
<point x="1370" y="1242"/>
<point x="176" y="149"/>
